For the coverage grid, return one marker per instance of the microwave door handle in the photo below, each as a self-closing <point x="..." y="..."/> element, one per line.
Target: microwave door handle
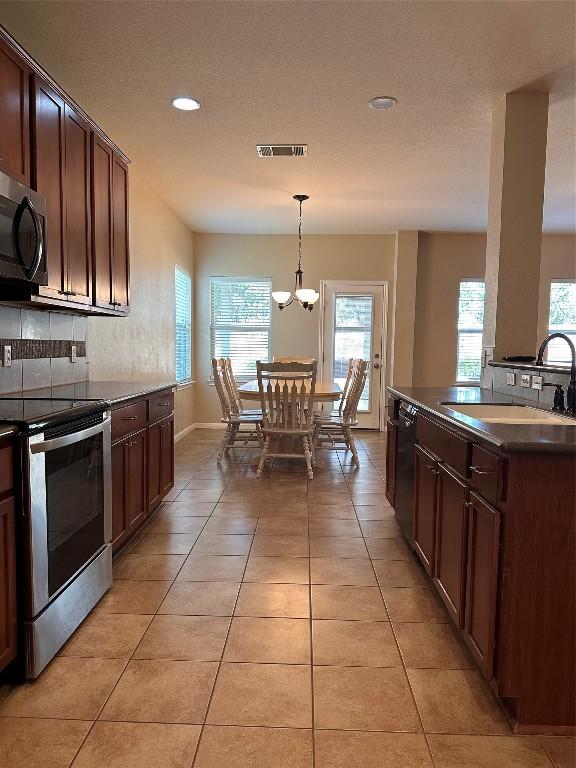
<point x="75" y="437"/>
<point x="27" y="204"/>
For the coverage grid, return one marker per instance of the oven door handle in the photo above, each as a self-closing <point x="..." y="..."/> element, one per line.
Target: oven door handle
<point x="75" y="437"/>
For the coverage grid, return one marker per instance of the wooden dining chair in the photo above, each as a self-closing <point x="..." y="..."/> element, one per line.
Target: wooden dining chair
<point x="287" y="399"/>
<point x="335" y="431"/>
<point x="235" y="421"/>
<point x="229" y="381"/>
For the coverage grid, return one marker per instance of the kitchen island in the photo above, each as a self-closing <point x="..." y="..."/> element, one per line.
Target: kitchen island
<point x="492" y="509"/>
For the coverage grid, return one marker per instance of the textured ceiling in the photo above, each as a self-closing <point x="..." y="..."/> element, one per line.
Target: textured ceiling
<point x="303" y="72"/>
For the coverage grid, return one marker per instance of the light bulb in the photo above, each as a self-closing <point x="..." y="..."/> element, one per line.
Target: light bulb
<point x="307" y="295"/>
<point x="281" y="296"/>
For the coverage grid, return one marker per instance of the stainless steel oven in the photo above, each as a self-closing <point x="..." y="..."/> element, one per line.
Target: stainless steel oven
<point x="68" y="530"/>
<point x="22" y="232"/>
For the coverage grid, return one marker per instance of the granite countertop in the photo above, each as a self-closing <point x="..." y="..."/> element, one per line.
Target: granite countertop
<point x="112" y="391"/>
<point x="8" y="430"/>
<point x="506" y="437"/>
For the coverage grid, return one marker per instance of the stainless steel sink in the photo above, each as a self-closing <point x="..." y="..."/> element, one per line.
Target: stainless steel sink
<point x="509" y="414"/>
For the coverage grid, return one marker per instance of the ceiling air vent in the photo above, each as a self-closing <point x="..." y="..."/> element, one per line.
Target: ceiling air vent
<point x="282" y="150"/>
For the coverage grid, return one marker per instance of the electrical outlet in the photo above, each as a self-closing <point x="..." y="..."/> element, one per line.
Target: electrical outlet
<point x="525" y="380"/>
<point x="537" y="382"/>
<point x="511" y="378"/>
<point x="73" y="353"/>
<point x="7" y="356"/>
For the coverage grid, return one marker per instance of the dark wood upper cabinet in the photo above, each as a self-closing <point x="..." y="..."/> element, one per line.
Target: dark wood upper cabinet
<point x="48" y="129"/>
<point x="49" y="143"/>
<point x="120" y="236"/>
<point x="110" y="227"/>
<point x="102" y="222"/>
<point x="78" y="214"/>
<point x="482" y="581"/>
<point x="61" y="172"/>
<point x="14" y="115"/>
<point x="425" y="473"/>
<point x="451" y="542"/>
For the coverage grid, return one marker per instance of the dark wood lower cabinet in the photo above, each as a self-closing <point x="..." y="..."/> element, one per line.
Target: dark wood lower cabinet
<point x="482" y="581"/>
<point x="391" y="434"/>
<point x="451" y="542"/>
<point x="425" y="473"/>
<point x="142" y="467"/>
<point x="8" y="608"/>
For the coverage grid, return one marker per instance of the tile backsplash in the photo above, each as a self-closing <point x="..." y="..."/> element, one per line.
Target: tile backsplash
<point x="41" y="344"/>
<point x="544" y="396"/>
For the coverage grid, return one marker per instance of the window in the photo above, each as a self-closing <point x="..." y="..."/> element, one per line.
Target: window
<point x="183" y="290"/>
<point x="470" y="326"/>
<point x="562" y="319"/>
<point x="240" y="316"/>
<point x="353" y="322"/>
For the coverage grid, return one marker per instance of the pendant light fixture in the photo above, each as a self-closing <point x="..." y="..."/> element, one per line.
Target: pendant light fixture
<point x="306" y="296"/>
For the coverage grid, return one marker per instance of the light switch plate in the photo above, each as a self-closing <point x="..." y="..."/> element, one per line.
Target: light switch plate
<point x="537" y="382"/>
<point x="73" y="353"/>
<point x="525" y="380"/>
<point x="511" y="378"/>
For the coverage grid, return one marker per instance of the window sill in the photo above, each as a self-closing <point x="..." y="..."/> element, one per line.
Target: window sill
<point x="185" y="384"/>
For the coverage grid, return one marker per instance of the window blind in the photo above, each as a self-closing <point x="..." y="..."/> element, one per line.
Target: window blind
<point x="470" y="327"/>
<point x="240" y="317"/>
<point x="562" y="319"/>
<point x="183" y="291"/>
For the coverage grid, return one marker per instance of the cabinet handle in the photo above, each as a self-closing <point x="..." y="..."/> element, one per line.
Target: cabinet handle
<point x="129" y="418"/>
<point x="482" y="470"/>
<point x="163" y="405"/>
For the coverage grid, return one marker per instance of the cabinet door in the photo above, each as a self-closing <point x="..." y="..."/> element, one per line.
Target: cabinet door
<point x="482" y="581"/>
<point x="78" y="214"/>
<point x="8" y="614"/>
<point x="48" y="179"/>
<point x="391" y="431"/>
<point x="119" y="494"/>
<point x="167" y="454"/>
<point x="102" y="222"/>
<point x="120" y="244"/>
<point x="14" y="115"/>
<point x="451" y="542"/>
<point x="425" y="473"/>
<point x="136" y="480"/>
<point x="154" y="464"/>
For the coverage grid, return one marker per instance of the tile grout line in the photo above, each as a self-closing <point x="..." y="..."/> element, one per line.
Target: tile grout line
<point x="397" y="644"/>
<point x="220" y="662"/>
<point x="101" y="709"/>
<point x="313" y="710"/>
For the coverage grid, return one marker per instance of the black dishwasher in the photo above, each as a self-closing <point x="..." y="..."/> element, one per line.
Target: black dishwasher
<point x="404" y="492"/>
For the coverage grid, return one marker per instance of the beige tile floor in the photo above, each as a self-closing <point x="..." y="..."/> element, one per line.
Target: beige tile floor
<point x="277" y="623"/>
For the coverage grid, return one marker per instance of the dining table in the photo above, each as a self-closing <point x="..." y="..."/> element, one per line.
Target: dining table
<point x="325" y="391"/>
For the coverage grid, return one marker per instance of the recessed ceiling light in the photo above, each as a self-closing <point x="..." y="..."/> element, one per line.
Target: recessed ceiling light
<point x="382" y="102"/>
<point x="187" y="103"/>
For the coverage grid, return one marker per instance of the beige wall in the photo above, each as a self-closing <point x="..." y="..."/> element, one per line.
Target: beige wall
<point x="141" y="346"/>
<point x="294" y="331"/>
<point x="443" y="260"/>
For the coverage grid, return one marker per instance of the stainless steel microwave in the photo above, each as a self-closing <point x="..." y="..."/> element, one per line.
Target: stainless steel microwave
<point x="22" y="233"/>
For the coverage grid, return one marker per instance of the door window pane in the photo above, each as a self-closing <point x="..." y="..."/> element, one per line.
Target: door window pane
<point x="353" y="323"/>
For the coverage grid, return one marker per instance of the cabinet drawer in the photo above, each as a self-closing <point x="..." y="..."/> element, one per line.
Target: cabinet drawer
<point x="160" y="405"/>
<point x="487" y="474"/>
<point x="6" y="468"/>
<point x="129" y="418"/>
<point x="449" y="447"/>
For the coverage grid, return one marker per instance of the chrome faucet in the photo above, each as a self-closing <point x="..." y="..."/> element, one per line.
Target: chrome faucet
<point x="571" y="393"/>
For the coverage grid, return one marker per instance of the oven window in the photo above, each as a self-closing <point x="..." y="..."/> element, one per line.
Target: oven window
<point x="7" y="212"/>
<point x="75" y="507"/>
